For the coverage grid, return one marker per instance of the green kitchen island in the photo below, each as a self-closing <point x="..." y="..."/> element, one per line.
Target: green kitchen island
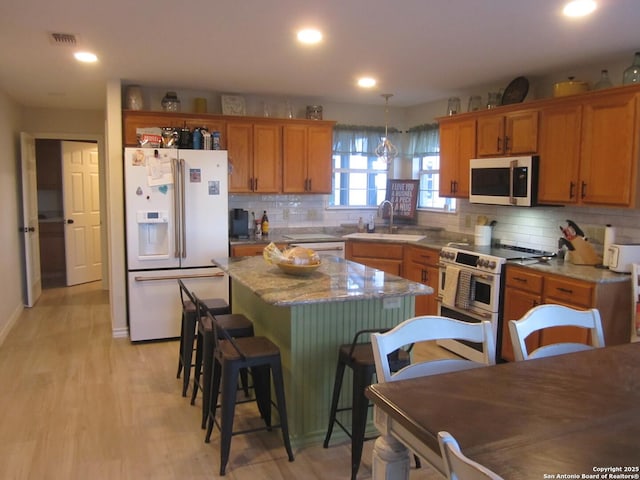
<point x="309" y="317"/>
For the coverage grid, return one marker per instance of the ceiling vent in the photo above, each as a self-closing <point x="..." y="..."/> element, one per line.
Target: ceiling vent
<point x="63" y="39"/>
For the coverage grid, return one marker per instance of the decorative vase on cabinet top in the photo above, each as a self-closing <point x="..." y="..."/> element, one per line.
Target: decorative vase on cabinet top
<point x="632" y="74"/>
<point x="134" y="98"/>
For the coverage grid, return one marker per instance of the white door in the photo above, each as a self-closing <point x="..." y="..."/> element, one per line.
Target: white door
<point x="30" y="219"/>
<point x="81" y="204"/>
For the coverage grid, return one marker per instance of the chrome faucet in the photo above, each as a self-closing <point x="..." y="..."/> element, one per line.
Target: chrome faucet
<point x="381" y="207"/>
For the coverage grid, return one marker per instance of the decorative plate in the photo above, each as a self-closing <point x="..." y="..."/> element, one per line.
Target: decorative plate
<point x="233" y="105"/>
<point x="515" y="91"/>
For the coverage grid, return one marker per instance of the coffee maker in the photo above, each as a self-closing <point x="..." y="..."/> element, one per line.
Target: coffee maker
<point x="239" y="223"/>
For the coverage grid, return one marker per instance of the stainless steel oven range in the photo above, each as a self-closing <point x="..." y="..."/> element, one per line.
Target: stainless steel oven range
<point x="471" y="286"/>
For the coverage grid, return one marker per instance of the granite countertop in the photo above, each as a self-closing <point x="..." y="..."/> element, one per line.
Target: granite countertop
<point x="337" y="280"/>
<point x="336" y="234"/>
<point x="436" y="239"/>
<point x="588" y="273"/>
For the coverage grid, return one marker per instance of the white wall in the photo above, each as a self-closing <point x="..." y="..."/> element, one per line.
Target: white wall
<point x="11" y="299"/>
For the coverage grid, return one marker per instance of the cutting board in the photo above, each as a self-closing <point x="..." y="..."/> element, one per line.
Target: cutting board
<point x="584" y="254"/>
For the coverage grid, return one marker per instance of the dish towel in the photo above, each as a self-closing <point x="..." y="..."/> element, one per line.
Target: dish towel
<point x="463" y="294"/>
<point x="450" y="285"/>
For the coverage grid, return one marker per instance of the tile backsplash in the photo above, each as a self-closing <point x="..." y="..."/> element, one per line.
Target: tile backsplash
<point x="537" y="227"/>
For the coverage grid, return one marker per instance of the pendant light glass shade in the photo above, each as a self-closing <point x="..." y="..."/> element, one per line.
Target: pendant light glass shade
<point x="386" y="151"/>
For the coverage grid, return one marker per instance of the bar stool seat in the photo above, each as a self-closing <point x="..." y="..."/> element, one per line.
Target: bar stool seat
<point x="217" y="306"/>
<point x="358" y="356"/>
<point x="238" y="326"/>
<point x="262" y="357"/>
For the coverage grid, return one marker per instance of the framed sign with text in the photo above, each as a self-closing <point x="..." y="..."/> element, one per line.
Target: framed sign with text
<point x="403" y="195"/>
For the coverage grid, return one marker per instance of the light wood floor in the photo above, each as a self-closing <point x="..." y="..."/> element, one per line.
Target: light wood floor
<point x="79" y="404"/>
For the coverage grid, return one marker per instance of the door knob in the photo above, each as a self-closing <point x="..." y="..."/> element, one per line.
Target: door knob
<point x="70" y="221"/>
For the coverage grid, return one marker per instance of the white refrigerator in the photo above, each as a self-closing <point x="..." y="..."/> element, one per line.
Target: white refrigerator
<point x="176" y="204"/>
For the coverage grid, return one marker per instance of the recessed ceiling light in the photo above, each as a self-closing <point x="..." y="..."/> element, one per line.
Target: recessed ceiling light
<point x="86" y="57"/>
<point x="310" y="36"/>
<point x="579" y="8"/>
<point x="367" y="82"/>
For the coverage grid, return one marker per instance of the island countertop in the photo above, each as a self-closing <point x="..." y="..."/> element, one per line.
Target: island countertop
<point x="337" y="280"/>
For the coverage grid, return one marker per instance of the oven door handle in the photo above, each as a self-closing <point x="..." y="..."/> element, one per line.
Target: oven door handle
<point x="483" y="276"/>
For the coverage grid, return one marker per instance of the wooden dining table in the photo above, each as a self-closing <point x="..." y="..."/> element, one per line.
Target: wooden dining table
<point x="550" y="418"/>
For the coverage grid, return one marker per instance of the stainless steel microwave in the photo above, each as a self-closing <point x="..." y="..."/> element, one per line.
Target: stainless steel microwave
<point x="504" y="181"/>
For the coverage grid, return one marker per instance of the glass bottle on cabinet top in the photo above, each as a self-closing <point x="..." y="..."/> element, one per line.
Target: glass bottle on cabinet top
<point x="170" y="102"/>
<point x="632" y="74"/>
<point x="604" y="81"/>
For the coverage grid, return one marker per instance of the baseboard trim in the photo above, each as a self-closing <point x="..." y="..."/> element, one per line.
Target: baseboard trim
<point x="120" y="332"/>
<point x="13" y="319"/>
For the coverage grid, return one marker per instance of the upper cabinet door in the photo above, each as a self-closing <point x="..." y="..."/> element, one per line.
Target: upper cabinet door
<point x="240" y="151"/>
<point x="491" y="135"/>
<point x="294" y="161"/>
<point x="508" y="134"/>
<point x="609" y="149"/>
<point x="560" y="128"/>
<point x="457" y="148"/>
<point x="307" y="153"/>
<point x="267" y="158"/>
<point x="521" y="133"/>
<point x="320" y="148"/>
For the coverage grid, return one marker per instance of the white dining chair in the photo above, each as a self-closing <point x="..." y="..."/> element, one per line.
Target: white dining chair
<point x="425" y="328"/>
<point x="457" y="465"/>
<point x="551" y="315"/>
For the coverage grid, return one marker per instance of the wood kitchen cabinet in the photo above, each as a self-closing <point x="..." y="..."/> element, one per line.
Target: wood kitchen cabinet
<point x="523" y="291"/>
<point x="251" y="250"/>
<point x="587" y="144"/>
<point x="255" y="157"/>
<point x="384" y="256"/>
<point x="421" y="265"/>
<point x="609" y="149"/>
<point x="525" y="288"/>
<point x="559" y="171"/>
<point x="258" y="148"/>
<point x="457" y="147"/>
<point x="307" y="155"/>
<point x="514" y="133"/>
<point x="589" y="151"/>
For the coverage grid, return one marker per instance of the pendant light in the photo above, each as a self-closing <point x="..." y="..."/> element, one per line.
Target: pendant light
<point x="386" y="151"/>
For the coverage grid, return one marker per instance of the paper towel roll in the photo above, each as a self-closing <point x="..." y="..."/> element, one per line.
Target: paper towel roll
<point x="609" y="238"/>
<point x="483" y="235"/>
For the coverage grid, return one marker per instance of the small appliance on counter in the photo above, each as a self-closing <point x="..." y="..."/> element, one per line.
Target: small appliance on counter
<point x="622" y="256"/>
<point x="239" y="223"/>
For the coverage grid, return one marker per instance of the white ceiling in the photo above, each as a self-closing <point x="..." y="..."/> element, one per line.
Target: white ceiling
<point x="420" y="50"/>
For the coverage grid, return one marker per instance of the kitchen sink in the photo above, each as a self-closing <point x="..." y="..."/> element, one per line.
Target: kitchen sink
<point x="399" y="237"/>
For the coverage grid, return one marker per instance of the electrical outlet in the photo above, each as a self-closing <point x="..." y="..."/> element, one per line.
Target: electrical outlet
<point x="391" y="302"/>
<point x="312" y="214"/>
<point x="285" y="214"/>
<point x="467" y="221"/>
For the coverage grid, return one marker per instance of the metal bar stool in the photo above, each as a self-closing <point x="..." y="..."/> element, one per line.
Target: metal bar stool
<point x="237" y="325"/>
<point x="217" y="306"/>
<point x="358" y="356"/>
<point x="231" y="355"/>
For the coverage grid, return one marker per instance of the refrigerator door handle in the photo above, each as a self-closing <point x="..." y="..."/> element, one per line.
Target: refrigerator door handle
<point x="178" y="277"/>
<point x="183" y="219"/>
<point x="176" y="213"/>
